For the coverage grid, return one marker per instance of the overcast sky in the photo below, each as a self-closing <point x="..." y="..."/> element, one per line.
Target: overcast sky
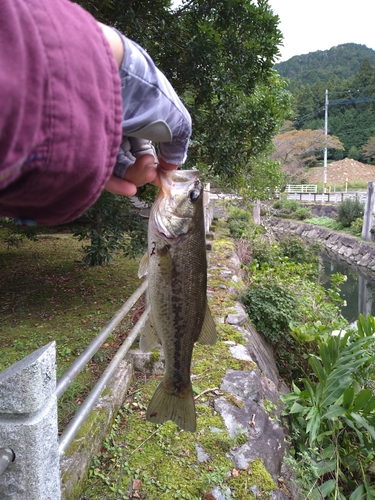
<point x="310" y="25"/>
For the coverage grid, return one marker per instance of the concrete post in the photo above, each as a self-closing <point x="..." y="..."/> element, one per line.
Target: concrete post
<point x="28" y="427"/>
<point x="256" y="212"/>
<point x="369" y="209"/>
<point x="208" y="207"/>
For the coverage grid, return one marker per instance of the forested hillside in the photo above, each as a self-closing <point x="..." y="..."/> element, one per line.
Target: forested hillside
<point x="348" y="73"/>
<point x="342" y="61"/>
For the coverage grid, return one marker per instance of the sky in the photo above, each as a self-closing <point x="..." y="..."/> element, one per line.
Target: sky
<point x="310" y="25"/>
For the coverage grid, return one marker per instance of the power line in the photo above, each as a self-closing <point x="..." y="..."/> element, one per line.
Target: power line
<point x="335" y="102"/>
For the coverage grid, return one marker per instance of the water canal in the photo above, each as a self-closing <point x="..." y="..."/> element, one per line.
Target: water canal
<point x="358" y="291"/>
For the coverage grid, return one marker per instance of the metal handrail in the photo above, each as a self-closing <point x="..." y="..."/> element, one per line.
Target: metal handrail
<point x="74" y="425"/>
<point x="7" y="456"/>
<point x="80" y="362"/>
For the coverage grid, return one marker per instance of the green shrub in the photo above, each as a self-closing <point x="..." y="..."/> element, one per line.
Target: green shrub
<point x="325" y="222"/>
<point x="356" y="226"/>
<point x="265" y="253"/>
<point x="302" y="213"/>
<point x="271" y="306"/>
<point x="238" y="222"/>
<point x="13" y="234"/>
<point x="291" y="205"/>
<point x="349" y="210"/>
<point x="297" y="251"/>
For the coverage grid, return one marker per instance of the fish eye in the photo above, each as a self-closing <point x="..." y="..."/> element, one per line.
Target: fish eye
<point x="194" y="195"/>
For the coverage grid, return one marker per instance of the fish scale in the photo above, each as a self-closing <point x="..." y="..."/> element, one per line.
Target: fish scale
<point x="176" y="265"/>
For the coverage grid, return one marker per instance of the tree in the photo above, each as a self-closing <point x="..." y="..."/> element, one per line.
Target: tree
<point x="368" y="150"/>
<point x="111" y="225"/>
<point x="219" y="55"/>
<point x="295" y="149"/>
<point x="353" y="153"/>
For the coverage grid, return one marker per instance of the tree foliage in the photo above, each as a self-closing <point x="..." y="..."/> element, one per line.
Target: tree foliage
<point x="111" y="225"/>
<point x="368" y="150"/>
<point x="295" y="149"/>
<point x="219" y="57"/>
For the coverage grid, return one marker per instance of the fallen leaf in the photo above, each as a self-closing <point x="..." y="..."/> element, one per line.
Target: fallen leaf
<point x="209" y="496"/>
<point x="137" y="484"/>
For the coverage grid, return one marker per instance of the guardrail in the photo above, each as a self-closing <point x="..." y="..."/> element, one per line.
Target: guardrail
<point x="30" y="449"/>
<point x="327" y="197"/>
<point x="301" y="188"/>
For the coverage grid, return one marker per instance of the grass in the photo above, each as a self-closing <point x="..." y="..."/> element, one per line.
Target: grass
<point x="352" y="186"/>
<point x="47" y="294"/>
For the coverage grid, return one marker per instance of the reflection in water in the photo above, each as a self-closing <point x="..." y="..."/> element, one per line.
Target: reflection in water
<point x="358" y="291"/>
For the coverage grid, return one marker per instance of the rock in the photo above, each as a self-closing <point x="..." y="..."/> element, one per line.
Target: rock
<point x="219" y="494"/>
<point x="201" y="454"/>
<point x="266" y="437"/>
<point x="239" y="317"/>
<point x="262" y="354"/>
<point x="250" y="385"/>
<point x="239" y="351"/>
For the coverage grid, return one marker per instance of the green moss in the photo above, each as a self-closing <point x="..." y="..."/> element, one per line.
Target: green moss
<point x="95" y="419"/>
<point x="255" y="474"/>
<point x="228" y="332"/>
<point x="155" y="356"/>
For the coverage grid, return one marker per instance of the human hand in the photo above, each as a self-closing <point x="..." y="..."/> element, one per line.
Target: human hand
<point x="142" y="171"/>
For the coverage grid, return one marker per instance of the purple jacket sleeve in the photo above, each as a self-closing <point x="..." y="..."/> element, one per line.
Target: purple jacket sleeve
<point x="60" y="118"/>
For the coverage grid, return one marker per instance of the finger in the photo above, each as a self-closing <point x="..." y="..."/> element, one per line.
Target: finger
<point x="142" y="171"/>
<point x="115" y="185"/>
<point x="167" y="166"/>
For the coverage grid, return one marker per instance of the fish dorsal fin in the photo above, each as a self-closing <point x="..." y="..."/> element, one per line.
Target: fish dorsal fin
<point x="143" y="266"/>
<point x="149" y="337"/>
<point x="208" y="333"/>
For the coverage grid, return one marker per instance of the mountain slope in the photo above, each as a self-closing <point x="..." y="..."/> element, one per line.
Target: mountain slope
<point x="342" y="61"/>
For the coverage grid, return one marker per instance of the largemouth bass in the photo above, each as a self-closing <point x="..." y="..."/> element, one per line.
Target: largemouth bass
<point x="176" y="265"/>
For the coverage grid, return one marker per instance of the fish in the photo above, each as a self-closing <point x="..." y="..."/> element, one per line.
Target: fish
<point x="176" y="267"/>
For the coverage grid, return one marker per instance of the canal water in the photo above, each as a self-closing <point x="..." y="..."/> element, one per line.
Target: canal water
<point x="358" y="291"/>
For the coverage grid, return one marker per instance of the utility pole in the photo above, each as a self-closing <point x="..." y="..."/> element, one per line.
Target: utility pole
<point x="325" y="149"/>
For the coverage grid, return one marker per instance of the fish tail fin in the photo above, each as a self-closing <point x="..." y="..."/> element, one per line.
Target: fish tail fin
<point x="164" y="406"/>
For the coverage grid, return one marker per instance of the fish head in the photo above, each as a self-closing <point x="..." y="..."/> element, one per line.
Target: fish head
<point x="179" y="203"/>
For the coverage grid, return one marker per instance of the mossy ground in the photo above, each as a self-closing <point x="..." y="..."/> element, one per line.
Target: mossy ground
<point x="47" y="294"/>
<point x="142" y="460"/>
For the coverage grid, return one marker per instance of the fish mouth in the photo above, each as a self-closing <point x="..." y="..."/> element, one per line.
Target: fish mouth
<point x="176" y="179"/>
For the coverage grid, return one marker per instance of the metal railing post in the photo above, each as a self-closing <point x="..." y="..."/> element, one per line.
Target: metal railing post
<point x="28" y="428"/>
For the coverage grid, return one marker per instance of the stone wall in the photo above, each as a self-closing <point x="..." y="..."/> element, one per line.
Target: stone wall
<point x="345" y="249"/>
<point x="322" y="210"/>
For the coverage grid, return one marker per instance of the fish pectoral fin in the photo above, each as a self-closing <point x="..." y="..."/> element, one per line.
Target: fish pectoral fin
<point x="149" y="337"/>
<point x="164" y="406"/>
<point x="143" y="266"/>
<point x="208" y="333"/>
